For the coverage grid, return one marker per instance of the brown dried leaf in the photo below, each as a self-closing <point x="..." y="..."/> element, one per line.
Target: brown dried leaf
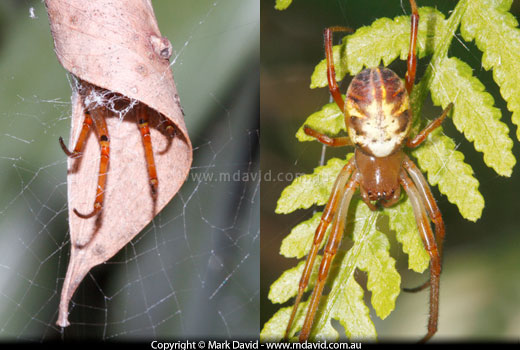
<point x="117" y="46"/>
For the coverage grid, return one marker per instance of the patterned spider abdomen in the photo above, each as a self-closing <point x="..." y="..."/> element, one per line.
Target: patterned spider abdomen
<point x="378" y="115"/>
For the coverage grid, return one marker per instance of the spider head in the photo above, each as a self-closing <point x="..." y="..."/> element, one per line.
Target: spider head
<point x="383" y="194"/>
<point x="377" y="111"/>
<point x="379" y="176"/>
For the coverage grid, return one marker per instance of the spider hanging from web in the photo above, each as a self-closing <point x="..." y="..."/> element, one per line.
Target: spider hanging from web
<point x="95" y="116"/>
<point x="378" y="118"/>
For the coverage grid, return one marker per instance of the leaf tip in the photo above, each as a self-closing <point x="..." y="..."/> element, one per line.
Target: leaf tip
<point x="281" y="5"/>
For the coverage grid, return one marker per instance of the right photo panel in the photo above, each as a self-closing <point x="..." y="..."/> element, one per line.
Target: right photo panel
<point x="389" y="138"/>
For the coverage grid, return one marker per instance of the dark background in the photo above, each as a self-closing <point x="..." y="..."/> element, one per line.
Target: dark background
<point x="481" y="273"/>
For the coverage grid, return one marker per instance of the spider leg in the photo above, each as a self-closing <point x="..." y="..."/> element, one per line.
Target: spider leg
<point x="141" y="114"/>
<point x="98" y="117"/>
<point x="431" y="207"/>
<point x="80" y="144"/>
<point x="420" y="137"/>
<point x="330" y="251"/>
<point x="430" y="244"/>
<point x="412" y="53"/>
<point x="424" y="190"/>
<point x="170" y="128"/>
<point x="338" y="191"/>
<point x="327" y="140"/>
<point x="331" y="72"/>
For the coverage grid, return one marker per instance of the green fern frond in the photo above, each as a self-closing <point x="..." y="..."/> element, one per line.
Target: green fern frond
<point x="402" y="221"/>
<point x="383" y="279"/>
<point x="282" y="4"/>
<point x="449" y="80"/>
<point x="298" y="243"/>
<point x="495" y="32"/>
<point x="286" y="287"/>
<point x="474" y="113"/>
<point x="344" y="302"/>
<point x="308" y="190"/>
<point x="384" y="40"/>
<point x="446" y="168"/>
<point x="328" y="120"/>
<point x="274" y="329"/>
<point x="353" y="314"/>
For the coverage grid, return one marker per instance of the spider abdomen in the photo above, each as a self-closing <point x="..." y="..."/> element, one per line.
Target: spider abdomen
<point x="378" y="115"/>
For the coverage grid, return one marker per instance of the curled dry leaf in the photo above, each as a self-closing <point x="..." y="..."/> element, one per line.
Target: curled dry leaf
<point x="116" y="47"/>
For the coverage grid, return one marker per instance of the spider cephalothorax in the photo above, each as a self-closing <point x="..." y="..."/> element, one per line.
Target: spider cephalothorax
<point x="378" y="118"/>
<point x="379" y="177"/>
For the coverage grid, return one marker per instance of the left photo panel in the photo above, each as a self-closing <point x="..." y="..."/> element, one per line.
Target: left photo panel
<point x="129" y="169"/>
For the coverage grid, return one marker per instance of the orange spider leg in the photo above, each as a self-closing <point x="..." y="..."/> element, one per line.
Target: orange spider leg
<point x="424" y="190"/>
<point x="330" y="251"/>
<point x="412" y="53"/>
<point x="327" y="140"/>
<point x="170" y="128"/>
<point x="431" y="208"/>
<point x="98" y="116"/>
<point x="426" y="195"/>
<point x="142" y="120"/>
<point x="430" y="244"/>
<point x="80" y="144"/>
<point x="331" y="72"/>
<point x="328" y="213"/>
<point x="420" y="137"/>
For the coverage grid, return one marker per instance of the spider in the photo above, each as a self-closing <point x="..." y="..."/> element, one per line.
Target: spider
<point x="95" y="115"/>
<point x="378" y="118"/>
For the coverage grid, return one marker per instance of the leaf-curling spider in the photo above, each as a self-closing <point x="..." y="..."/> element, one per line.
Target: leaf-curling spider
<point x="378" y="118"/>
<point x="95" y="115"/>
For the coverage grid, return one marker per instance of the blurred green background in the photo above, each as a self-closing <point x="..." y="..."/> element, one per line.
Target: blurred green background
<point x="480" y="284"/>
<point x="193" y="272"/>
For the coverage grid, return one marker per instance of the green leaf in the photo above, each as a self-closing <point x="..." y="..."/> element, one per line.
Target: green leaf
<point x="282" y="4"/>
<point x="383" y="279"/>
<point x="274" y="329"/>
<point x="402" y="221"/>
<point x="307" y="190"/>
<point x="474" y="113"/>
<point x="329" y="120"/>
<point x="495" y="32"/>
<point x="298" y="243"/>
<point x="384" y="40"/>
<point x="368" y="253"/>
<point x="446" y="168"/>
<point x="353" y="314"/>
<point x="345" y="300"/>
<point x="286" y="286"/>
